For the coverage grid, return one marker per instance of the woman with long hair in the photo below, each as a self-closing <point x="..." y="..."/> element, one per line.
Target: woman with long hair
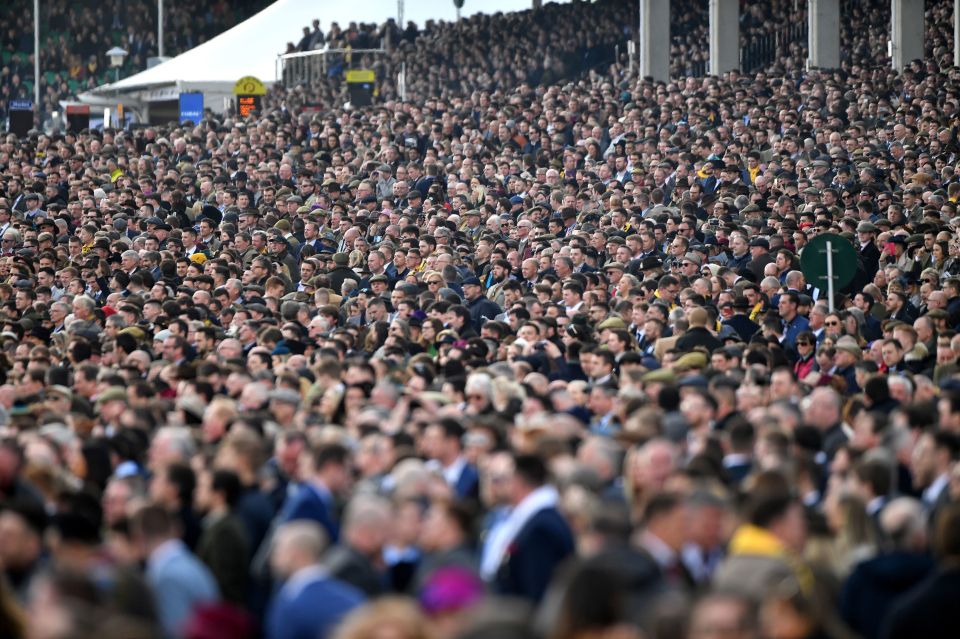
<point x="941" y="253"/>
<point x="376" y="336"/>
<point x="428" y="335"/>
<point x="853" y="322"/>
<point x="853" y="535"/>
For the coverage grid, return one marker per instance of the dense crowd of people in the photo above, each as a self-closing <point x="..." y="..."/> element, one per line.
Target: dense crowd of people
<point x="75" y="38"/>
<point x="518" y="358"/>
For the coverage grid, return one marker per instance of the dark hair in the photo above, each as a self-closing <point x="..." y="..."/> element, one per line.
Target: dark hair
<point x="79" y="518"/>
<point x="185" y="481"/>
<point x="947" y="532"/>
<point x="661" y="504"/>
<point x="767" y="509"/>
<point x="152" y="522"/>
<point x="531" y="469"/>
<point x="330" y="454"/>
<point x="948" y="442"/>
<point x="452" y="428"/>
<point x="877" y="474"/>
<point x="228" y="483"/>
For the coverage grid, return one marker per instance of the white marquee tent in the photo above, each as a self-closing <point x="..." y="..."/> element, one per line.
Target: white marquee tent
<point x="251" y="49"/>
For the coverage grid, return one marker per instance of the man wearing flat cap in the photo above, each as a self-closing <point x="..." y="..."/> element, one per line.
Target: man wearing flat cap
<point x="759" y="256"/>
<point x="867" y="245"/>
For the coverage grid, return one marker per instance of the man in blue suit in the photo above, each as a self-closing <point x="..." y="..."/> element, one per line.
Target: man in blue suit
<point x="328" y="474"/>
<point x="310" y="603"/>
<point x="443" y="444"/>
<point x="537" y="537"/>
<point x="179" y="581"/>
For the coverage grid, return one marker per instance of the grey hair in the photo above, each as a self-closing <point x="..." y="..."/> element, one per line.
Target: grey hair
<point x="180" y="438"/>
<point x="306" y="536"/>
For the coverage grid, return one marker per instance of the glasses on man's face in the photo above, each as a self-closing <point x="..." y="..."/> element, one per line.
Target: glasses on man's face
<point x="832" y="323"/>
<point x="804" y="343"/>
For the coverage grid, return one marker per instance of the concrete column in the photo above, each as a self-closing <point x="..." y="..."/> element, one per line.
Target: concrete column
<point x="956" y="33"/>
<point x="906" y="32"/>
<point x="724" y="36"/>
<point x="654" y="30"/>
<point x="824" y="33"/>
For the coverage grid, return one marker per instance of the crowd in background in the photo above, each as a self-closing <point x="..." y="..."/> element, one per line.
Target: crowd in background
<point x="526" y="356"/>
<point x="75" y="38"/>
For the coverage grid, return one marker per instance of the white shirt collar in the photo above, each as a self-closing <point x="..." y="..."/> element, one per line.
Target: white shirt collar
<point x="452" y="472"/>
<point x="663" y="554"/>
<point x="932" y="492"/>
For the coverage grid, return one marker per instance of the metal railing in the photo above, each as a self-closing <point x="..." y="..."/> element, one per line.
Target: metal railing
<point x="697" y="68"/>
<point x="757" y="52"/>
<point x="762" y="50"/>
<point x="306" y="68"/>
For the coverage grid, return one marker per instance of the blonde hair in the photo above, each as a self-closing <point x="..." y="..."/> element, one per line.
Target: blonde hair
<point x="401" y="615"/>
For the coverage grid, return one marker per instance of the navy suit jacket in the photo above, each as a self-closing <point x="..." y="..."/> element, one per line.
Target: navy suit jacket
<point x="311" y="612"/>
<point x="928" y="610"/>
<point x="533" y="556"/>
<point x="738" y="472"/>
<point x="307" y="503"/>
<point x="468" y="484"/>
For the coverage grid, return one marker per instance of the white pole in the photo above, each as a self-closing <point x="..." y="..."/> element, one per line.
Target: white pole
<point x="106" y="118"/>
<point x="641" y="26"/>
<point x="160" y="28"/>
<point x="36" y="60"/>
<point x="830" y="275"/>
<point x="956" y="33"/>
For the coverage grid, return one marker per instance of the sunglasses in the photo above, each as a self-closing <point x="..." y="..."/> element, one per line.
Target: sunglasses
<point x="832" y="323"/>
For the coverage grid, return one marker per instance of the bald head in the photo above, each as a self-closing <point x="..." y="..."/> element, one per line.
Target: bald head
<point x="822" y="408"/>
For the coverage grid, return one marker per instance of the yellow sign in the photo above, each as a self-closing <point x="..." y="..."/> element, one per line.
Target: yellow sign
<point x="249" y="85"/>
<point x="361" y="75"/>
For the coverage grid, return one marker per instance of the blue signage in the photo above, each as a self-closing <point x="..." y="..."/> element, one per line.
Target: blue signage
<point x="21" y="105"/>
<point x="191" y="107"/>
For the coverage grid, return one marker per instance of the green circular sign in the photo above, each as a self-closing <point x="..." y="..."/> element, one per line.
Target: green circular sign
<point x="813" y="261"/>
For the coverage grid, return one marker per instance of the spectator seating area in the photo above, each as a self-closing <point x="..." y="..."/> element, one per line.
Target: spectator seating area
<point x="75" y="36"/>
